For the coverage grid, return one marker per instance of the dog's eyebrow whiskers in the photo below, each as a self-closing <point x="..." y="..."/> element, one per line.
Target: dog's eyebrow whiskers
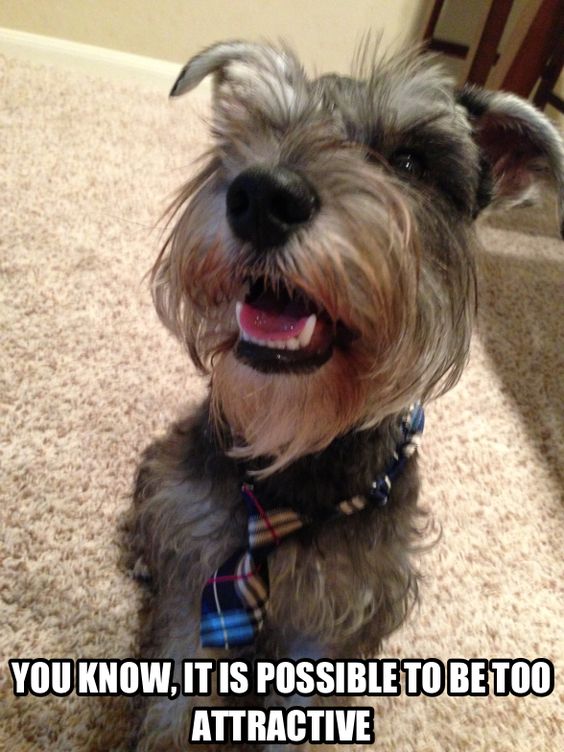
<point x="376" y="156"/>
<point x="338" y="143"/>
<point x="425" y="120"/>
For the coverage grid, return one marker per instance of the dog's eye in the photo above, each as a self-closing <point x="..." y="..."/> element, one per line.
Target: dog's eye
<point x="407" y="162"/>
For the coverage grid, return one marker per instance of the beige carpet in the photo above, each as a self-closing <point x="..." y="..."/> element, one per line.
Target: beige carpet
<point x="89" y="376"/>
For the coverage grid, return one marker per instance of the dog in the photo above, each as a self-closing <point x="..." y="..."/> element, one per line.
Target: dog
<point x="321" y="271"/>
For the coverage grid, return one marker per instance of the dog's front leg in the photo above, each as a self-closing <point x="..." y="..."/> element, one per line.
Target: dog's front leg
<point x="185" y="522"/>
<point x="298" y="649"/>
<point x="174" y="633"/>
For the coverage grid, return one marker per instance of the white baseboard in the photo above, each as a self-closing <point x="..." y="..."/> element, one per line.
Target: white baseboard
<point x="112" y="64"/>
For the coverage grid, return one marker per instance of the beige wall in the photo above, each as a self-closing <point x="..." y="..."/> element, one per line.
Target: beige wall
<point x="324" y="32"/>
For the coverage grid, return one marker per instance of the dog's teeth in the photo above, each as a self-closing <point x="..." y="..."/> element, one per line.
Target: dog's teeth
<point x="305" y="337"/>
<point x="295" y="343"/>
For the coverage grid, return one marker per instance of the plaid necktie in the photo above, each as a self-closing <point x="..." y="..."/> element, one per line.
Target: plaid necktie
<point x="234" y="598"/>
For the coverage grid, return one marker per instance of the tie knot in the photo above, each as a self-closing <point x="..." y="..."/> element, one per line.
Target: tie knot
<point x="267" y="529"/>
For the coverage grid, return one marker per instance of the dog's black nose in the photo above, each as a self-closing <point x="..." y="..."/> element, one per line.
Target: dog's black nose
<point x="265" y="205"/>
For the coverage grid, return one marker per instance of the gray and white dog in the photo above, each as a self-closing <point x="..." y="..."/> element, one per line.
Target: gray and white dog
<point x="321" y="270"/>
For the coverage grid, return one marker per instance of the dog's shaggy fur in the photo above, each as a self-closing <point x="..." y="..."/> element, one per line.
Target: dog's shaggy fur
<point x="401" y="164"/>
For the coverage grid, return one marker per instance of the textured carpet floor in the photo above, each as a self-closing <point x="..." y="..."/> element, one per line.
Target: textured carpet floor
<point x="89" y="376"/>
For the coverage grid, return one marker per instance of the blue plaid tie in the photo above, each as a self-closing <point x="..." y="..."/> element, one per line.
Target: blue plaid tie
<point x="234" y="598"/>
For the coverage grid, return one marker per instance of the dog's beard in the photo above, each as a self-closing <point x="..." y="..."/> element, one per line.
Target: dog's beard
<point x="282" y="417"/>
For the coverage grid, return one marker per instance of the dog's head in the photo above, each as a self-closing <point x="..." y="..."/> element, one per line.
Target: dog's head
<point x="321" y="262"/>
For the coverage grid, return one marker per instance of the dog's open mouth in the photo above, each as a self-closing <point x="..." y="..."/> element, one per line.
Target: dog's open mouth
<point x="281" y="331"/>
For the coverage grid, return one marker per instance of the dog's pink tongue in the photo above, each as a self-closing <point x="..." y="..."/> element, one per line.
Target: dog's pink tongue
<point x="265" y="322"/>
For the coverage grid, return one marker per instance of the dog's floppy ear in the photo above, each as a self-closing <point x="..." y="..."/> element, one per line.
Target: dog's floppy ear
<point x="520" y="147"/>
<point x="215" y="59"/>
<point x="211" y="60"/>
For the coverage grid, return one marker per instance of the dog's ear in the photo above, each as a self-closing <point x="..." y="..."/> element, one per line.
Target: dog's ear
<point x="211" y="60"/>
<point x="520" y="147"/>
<point x="217" y="58"/>
<point x="247" y="77"/>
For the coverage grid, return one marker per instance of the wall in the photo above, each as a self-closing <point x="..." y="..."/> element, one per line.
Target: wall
<point x="324" y="32"/>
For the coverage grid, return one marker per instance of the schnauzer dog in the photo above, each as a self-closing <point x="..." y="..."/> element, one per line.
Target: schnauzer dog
<point x="321" y="270"/>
